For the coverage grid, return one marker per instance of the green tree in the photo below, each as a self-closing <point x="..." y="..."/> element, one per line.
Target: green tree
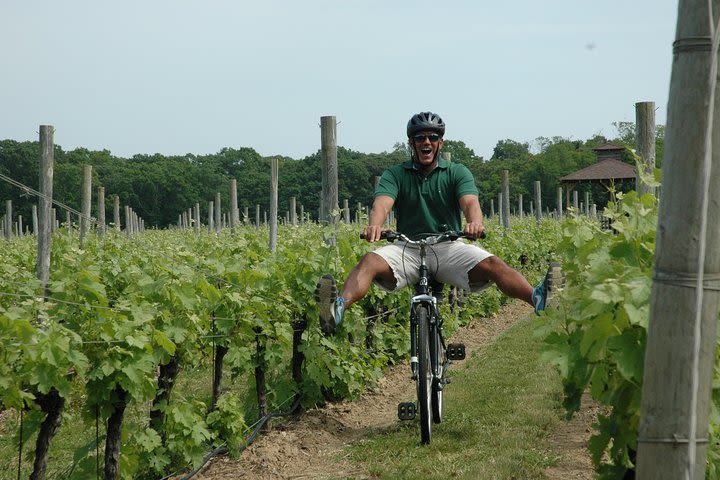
<point x="506" y="149"/>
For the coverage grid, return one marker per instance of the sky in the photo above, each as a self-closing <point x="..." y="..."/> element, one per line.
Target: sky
<point x="189" y="76"/>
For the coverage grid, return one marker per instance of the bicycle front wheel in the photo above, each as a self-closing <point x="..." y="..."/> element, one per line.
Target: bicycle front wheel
<point x="425" y="374"/>
<point x="437" y="353"/>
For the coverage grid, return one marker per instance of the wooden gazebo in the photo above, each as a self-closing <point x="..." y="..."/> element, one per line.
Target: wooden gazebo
<point x="608" y="168"/>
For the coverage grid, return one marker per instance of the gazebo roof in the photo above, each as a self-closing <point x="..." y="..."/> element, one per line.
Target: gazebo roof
<point x="608" y="169"/>
<point x="608" y="146"/>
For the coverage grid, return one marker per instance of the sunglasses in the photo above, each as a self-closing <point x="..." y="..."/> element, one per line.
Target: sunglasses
<point x="420" y="138"/>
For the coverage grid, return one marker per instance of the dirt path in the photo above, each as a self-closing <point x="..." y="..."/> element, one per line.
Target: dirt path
<point x="309" y="446"/>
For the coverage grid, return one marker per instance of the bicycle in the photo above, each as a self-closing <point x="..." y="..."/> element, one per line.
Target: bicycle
<point x="429" y="355"/>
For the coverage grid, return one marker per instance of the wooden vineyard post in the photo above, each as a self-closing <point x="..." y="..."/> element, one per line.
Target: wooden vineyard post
<point x="45" y="227"/>
<point x="218" y="214"/>
<point x="128" y="222"/>
<point x="211" y="216"/>
<point x="492" y="207"/>
<point x="506" y="199"/>
<point x="101" y="211"/>
<point x="234" y="212"/>
<point x="86" y="202"/>
<point x="35" y="220"/>
<point x="560" y="203"/>
<point x="273" y="204"/>
<point x="645" y="141"/>
<point x="520" y="206"/>
<point x="196" y="218"/>
<point x="681" y="337"/>
<point x="587" y="204"/>
<point x="538" y="201"/>
<point x="8" y="219"/>
<point x="293" y="212"/>
<point x="116" y="212"/>
<point x="328" y="137"/>
<point x="51" y="403"/>
<point x="346" y="211"/>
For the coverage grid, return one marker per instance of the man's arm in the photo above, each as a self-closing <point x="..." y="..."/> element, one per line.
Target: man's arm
<point x="470" y="207"/>
<point x="382" y="205"/>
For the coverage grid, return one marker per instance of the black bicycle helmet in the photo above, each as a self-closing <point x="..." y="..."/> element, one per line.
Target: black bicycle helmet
<point x="425" y="121"/>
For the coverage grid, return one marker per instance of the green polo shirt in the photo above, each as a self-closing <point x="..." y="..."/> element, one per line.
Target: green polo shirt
<point x="423" y="204"/>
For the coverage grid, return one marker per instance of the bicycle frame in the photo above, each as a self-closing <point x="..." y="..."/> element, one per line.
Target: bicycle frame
<point x="423" y="295"/>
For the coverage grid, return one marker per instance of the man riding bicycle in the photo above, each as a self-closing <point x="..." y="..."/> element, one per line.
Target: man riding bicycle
<point x="426" y="192"/>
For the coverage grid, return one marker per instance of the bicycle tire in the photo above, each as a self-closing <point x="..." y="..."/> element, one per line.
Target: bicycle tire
<point x="425" y="374"/>
<point x="438" y="366"/>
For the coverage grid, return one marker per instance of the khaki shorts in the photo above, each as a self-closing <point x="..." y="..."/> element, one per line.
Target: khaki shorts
<point x="448" y="262"/>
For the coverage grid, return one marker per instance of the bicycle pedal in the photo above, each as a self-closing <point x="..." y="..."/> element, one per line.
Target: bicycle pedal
<point x="406" y="411"/>
<point x="456" y="351"/>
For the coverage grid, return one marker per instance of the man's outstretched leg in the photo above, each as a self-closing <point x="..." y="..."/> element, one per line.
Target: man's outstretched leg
<point x="513" y="284"/>
<point x="544" y="291"/>
<point x="332" y="306"/>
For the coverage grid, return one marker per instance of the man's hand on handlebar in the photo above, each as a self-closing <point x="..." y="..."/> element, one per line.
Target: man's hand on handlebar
<point x="372" y="234"/>
<point x="474" y="230"/>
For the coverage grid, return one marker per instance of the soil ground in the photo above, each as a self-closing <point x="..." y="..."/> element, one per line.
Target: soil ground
<point x="310" y="445"/>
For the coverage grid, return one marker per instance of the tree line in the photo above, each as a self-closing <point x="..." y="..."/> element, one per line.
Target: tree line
<point x="159" y="187"/>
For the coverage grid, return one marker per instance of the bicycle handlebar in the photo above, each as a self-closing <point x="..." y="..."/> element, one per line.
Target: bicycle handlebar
<point x="450" y="235"/>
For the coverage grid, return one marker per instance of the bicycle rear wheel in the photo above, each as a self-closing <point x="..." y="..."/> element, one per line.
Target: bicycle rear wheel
<point x="425" y="374"/>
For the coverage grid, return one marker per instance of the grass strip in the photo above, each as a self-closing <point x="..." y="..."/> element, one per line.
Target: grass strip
<point x="501" y="405"/>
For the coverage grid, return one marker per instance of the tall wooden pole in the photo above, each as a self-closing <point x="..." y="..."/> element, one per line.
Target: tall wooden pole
<point x="680" y="353"/>
<point x="101" y="210"/>
<point x="645" y="140"/>
<point x="538" y="200"/>
<point x="211" y="216"/>
<point x="86" y="202"/>
<point x="128" y="222"/>
<point x="116" y="212"/>
<point x="47" y="161"/>
<point x="8" y="219"/>
<point x="35" y="220"/>
<point x="234" y="212"/>
<point x="560" y="203"/>
<point x="506" y="198"/>
<point x="328" y="138"/>
<point x="587" y="203"/>
<point x="273" y="204"/>
<point x="196" y="218"/>
<point x="293" y="212"/>
<point x="521" y="214"/>
<point x="218" y="214"/>
<point x="346" y="211"/>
